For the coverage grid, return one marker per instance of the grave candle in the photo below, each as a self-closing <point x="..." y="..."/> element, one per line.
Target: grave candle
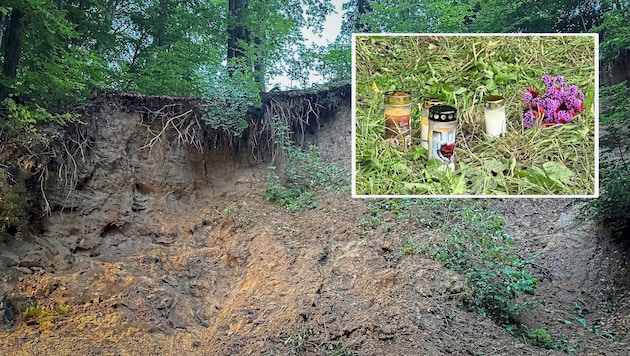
<point x="424" y="120"/>
<point x="494" y="112"/>
<point x="398" y="118"/>
<point x="442" y="128"/>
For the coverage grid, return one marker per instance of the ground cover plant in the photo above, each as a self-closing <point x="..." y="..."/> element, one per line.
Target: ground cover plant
<point x="293" y="182"/>
<point x="538" y="160"/>
<point x="467" y="236"/>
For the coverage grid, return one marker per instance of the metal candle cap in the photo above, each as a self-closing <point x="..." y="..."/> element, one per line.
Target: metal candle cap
<point x="494" y="101"/>
<point x="397" y="98"/>
<point x="443" y="113"/>
<point x="432" y="102"/>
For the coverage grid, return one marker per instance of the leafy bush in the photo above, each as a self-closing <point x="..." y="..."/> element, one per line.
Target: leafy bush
<point x="478" y="248"/>
<point x="228" y="100"/>
<point x="18" y="120"/>
<point x="43" y="315"/>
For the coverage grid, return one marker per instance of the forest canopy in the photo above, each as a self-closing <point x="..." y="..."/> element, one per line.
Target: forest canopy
<point x="54" y="53"/>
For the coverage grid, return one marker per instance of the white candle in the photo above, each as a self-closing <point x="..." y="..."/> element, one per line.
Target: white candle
<point x="494" y="112"/>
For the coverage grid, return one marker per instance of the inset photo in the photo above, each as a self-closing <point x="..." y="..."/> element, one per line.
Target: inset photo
<point x="475" y="115"/>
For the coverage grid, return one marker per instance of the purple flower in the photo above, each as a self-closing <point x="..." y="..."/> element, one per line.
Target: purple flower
<point x="529" y="118"/>
<point x="559" y="104"/>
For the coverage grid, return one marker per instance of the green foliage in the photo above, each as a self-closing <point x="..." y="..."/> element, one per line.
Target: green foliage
<point x="229" y="99"/>
<point x="541" y="338"/>
<point x="165" y="46"/>
<point x="293" y="184"/>
<point x="453" y="16"/>
<point x="157" y="47"/>
<point x="56" y="67"/>
<point x="462" y="70"/>
<point x="615" y="29"/>
<point x="478" y="248"/>
<point x="531" y="16"/>
<point x="475" y="245"/>
<point x="18" y="120"/>
<point x="411" y="247"/>
<point x="168" y="71"/>
<point x="408" y="16"/>
<point x="43" y="316"/>
<point x="334" y="61"/>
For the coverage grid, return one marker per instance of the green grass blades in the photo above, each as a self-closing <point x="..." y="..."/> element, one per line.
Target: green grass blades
<point x="463" y="70"/>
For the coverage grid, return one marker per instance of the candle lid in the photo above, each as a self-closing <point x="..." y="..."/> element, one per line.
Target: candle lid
<point x="397" y="97"/>
<point x="432" y="102"/>
<point x="493" y="101"/>
<point x="442" y="113"/>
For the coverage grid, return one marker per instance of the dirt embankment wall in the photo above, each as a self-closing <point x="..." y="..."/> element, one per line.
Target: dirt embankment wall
<point x="118" y="181"/>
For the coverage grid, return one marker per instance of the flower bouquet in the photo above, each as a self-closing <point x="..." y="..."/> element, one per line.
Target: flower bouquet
<point x="558" y="105"/>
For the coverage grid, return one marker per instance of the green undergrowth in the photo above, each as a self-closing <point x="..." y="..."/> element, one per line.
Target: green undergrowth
<point x="471" y="241"/>
<point x="43" y="316"/>
<point x="463" y="70"/>
<point x="302" y="173"/>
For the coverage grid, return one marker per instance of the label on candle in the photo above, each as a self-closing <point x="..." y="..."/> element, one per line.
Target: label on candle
<point x="398" y="125"/>
<point x="442" y="142"/>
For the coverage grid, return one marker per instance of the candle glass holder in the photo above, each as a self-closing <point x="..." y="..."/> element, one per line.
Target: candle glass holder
<point x="494" y="113"/>
<point x="442" y="129"/>
<point x="398" y="118"/>
<point x="424" y="120"/>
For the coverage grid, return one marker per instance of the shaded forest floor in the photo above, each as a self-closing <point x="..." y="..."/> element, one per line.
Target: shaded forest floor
<point x="223" y="271"/>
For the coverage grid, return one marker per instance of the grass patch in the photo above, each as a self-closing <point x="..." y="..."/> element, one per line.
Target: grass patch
<point x="463" y="70"/>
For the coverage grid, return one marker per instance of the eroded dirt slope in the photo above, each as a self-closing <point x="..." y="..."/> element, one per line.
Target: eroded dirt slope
<point x="173" y="250"/>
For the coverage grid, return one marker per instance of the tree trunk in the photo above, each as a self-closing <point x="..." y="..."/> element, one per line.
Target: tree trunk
<point x="363" y="7"/>
<point x="161" y="30"/>
<point x="259" y="65"/>
<point x="3" y="22"/>
<point x="236" y="31"/>
<point x="12" y="49"/>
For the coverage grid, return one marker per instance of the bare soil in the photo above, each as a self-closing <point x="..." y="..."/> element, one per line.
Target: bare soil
<point x="174" y="251"/>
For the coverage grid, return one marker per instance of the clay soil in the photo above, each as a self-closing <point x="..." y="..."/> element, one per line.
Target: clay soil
<point x="214" y="269"/>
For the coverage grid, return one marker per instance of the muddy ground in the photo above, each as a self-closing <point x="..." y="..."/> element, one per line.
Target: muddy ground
<point x="175" y="251"/>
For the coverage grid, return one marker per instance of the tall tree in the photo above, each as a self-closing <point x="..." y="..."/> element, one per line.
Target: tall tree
<point x="43" y="58"/>
<point x="12" y="48"/>
<point x="265" y="33"/>
<point x="237" y="30"/>
<point x="353" y="17"/>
